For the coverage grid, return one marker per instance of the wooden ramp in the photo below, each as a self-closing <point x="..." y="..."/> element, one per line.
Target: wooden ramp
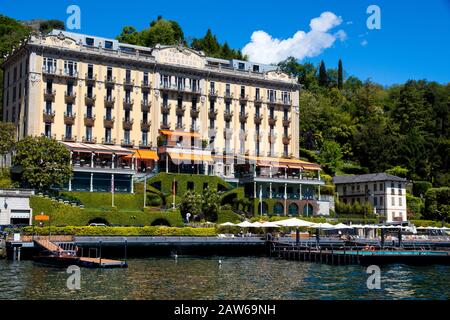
<point x="48" y="245"/>
<point x="101" y="263"/>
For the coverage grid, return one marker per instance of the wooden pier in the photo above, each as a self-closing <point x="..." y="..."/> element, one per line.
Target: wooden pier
<point x="356" y="255"/>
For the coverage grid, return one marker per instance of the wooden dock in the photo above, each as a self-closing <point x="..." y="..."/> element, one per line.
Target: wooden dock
<point x="356" y="255"/>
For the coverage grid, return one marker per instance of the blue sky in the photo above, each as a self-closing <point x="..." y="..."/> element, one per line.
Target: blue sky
<point x="413" y="42"/>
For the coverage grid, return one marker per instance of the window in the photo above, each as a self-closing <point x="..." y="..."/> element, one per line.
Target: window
<point x="400" y="201"/>
<point x="90" y="41"/>
<point x="107" y="134"/>
<point x="108" y="115"/>
<point x="228" y="89"/>
<point x="48" y="107"/>
<point x="165" y="81"/>
<point x="144" y="138"/>
<point x="90" y="73"/>
<point x="145" y="97"/>
<point x="344" y="189"/>
<point x="257" y="94"/>
<point x="241" y="66"/>
<point x="242" y="91"/>
<point x="69" y="109"/>
<point x="48" y="130"/>
<point x="381" y="201"/>
<point x="285" y="96"/>
<point x="108" y="45"/>
<point x="49" y="65"/>
<point x="90" y="91"/>
<point x="89" y="112"/>
<point x="212" y="87"/>
<point x="286" y="150"/>
<point x="392" y="190"/>
<point x="381" y="186"/>
<point x="145" y="117"/>
<point x="88" y="136"/>
<point x="255" y="68"/>
<point x="128" y="76"/>
<point x="374" y="187"/>
<point x="109" y="76"/>
<point x="272" y="95"/>
<point x="68" y="131"/>
<point x="375" y="201"/>
<point x="126" y="136"/>
<point x="127" y="116"/>
<point x="145" y="78"/>
<point x="127" y="96"/>
<point x="393" y="201"/>
<point x="70" y="68"/>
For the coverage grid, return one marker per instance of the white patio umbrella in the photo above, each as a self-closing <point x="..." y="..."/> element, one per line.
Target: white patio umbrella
<point x="269" y="224"/>
<point x="294" y="222"/>
<point x="341" y="226"/>
<point x="257" y="224"/>
<point x="356" y="226"/>
<point x="325" y="225"/>
<point x="227" y="224"/>
<point x="245" y="224"/>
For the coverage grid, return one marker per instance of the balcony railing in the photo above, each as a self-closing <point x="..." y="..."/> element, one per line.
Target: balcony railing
<point x="89" y="99"/>
<point x="180" y="126"/>
<point x="283" y="101"/>
<point x="49" y="95"/>
<point x="128" y="82"/>
<point x="212" y="114"/>
<point x="213" y="94"/>
<point x="286" y="139"/>
<point x="89" y="139"/>
<point x="128" y="103"/>
<point x="228" y="115"/>
<point x="165" y="126"/>
<point x="145" y="106"/>
<point x="108" y="122"/>
<point x="110" y="80"/>
<point x="272" y="137"/>
<point x="180" y="110"/>
<point x="127" y="124"/>
<point x="286" y="122"/>
<point x="180" y="89"/>
<point x="127" y="143"/>
<point x="109" y="101"/>
<point x="145" y="125"/>
<point x="195" y="113"/>
<point x="146" y="85"/>
<point x="243" y="117"/>
<point x="89" y="121"/>
<point x="66" y="73"/>
<point x="70" y="97"/>
<point x="69" y="118"/>
<point x="108" y="141"/>
<point x="272" y="120"/>
<point x="228" y="96"/>
<point x="258" y="119"/>
<point x="145" y="144"/>
<point x="258" y="99"/>
<point x="90" y="77"/>
<point x="49" y="116"/>
<point x="165" y="109"/>
<point x="243" y="98"/>
<point x="68" y="138"/>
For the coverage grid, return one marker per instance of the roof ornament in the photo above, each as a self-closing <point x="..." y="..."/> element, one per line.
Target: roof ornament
<point x="61" y="36"/>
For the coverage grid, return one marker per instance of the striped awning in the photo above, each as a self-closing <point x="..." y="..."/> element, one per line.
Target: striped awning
<point x="284" y="163"/>
<point x="143" y="154"/>
<point x="189" y="157"/>
<point x="96" y="148"/>
<point x="171" y="133"/>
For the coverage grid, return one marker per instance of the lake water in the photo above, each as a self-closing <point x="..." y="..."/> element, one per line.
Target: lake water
<point x="236" y="278"/>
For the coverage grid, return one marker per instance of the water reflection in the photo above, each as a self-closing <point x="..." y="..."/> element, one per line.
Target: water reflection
<point x="233" y="278"/>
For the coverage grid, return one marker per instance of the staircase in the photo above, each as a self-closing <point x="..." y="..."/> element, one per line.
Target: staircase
<point x="141" y="176"/>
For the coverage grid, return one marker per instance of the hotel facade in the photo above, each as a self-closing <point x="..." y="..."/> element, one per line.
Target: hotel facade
<point x="124" y="110"/>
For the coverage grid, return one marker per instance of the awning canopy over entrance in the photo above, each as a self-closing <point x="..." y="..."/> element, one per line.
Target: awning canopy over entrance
<point x="284" y="163"/>
<point x="171" y="133"/>
<point x="143" y="154"/>
<point x="96" y="148"/>
<point x="189" y="157"/>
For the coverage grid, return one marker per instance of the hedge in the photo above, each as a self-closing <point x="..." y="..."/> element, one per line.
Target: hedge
<point x="99" y="200"/>
<point x="122" y="231"/>
<point x="228" y="216"/>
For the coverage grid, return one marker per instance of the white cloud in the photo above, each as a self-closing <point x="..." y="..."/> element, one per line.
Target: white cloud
<point x="364" y="43"/>
<point x="264" y="48"/>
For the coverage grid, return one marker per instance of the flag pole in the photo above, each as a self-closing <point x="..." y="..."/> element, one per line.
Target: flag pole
<point x="173" y="193"/>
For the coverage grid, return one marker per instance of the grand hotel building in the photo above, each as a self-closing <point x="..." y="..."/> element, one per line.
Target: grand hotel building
<point x="123" y="109"/>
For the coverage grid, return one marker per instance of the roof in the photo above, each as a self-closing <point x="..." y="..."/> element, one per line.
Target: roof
<point x="367" y="178"/>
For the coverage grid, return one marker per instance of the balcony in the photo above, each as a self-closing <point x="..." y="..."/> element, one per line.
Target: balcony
<point x="145" y="106"/>
<point x="213" y="94"/>
<point x="280" y="102"/>
<point x="145" y="125"/>
<point x="70" y="74"/>
<point x="109" y="101"/>
<point x="272" y="120"/>
<point x="68" y="138"/>
<point x="243" y="98"/>
<point x="195" y="113"/>
<point x="69" y="118"/>
<point x="180" y="126"/>
<point x="146" y="85"/>
<point x="258" y="99"/>
<point x="165" y="109"/>
<point x="243" y="117"/>
<point x="258" y="119"/>
<point x="228" y="96"/>
<point x="128" y="82"/>
<point x="89" y="139"/>
<point x="108" y="122"/>
<point x="108" y="141"/>
<point x="89" y="121"/>
<point x="194" y="128"/>
<point x="90" y="77"/>
<point x="212" y="114"/>
<point x="227" y="133"/>
<point x="286" y="122"/>
<point x="110" y="81"/>
<point x="286" y="139"/>
<point x="49" y="116"/>
<point x="145" y="145"/>
<point x="127" y="143"/>
<point x="180" y="89"/>
<point x="165" y="126"/>
<point x="128" y="104"/>
<point x="127" y="124"/>
<point x="228" y="116"/>
<point x="180" y="110"/>
<point x="49" y="95"/>
<point x="69" y="97"/>
<point x="89" y="100"/>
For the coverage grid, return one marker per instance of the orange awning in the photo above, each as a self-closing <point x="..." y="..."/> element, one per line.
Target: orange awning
<point x="190" y="157"/>
<point x="171" y="133"/>
<point x="284" y="163"/>
<point x="143" y="154"/>
<point x="42" y="217"/>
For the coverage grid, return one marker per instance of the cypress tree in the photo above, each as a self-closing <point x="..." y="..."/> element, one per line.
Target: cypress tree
<point x="323" y="77"/>
<point x="340" y="76"/>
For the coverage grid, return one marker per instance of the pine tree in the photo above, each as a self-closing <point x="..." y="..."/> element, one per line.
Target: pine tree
<point x="340" y="75"/>
<point x="323" y="77"/>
